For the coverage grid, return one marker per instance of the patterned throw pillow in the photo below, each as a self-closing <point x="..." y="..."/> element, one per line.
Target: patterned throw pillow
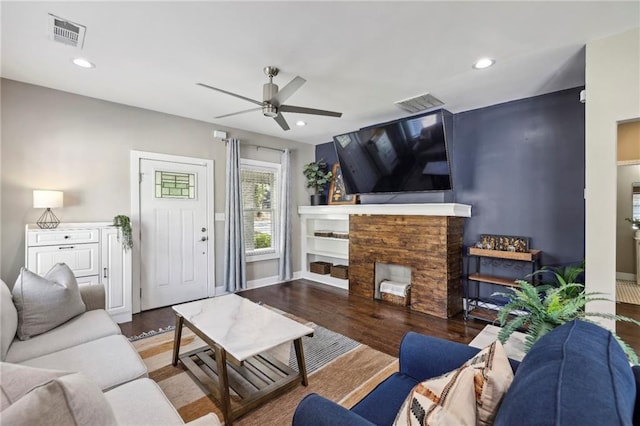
<point x="468" y="395"/>
<point x="493" y="376"/>
<point x="46" y="302"/>
<point x="449" y="399"/>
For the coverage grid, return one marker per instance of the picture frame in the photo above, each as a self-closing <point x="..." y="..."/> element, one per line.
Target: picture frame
<point x="337" y="190"/>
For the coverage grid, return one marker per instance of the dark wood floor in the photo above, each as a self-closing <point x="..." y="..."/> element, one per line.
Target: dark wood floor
<point x="374" y="323"/>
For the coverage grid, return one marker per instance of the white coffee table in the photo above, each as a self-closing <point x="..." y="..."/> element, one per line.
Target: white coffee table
<point x="238" y="332"/>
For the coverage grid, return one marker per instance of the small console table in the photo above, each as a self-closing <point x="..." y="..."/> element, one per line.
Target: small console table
<point x="480" y="308"/>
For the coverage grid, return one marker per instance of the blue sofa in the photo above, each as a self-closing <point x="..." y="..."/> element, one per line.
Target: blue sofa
<point x="575" y="375"/>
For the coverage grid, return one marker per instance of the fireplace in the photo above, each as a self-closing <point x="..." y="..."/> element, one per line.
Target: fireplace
<point x="391" y="273"/>
<point x="430" y="247"/>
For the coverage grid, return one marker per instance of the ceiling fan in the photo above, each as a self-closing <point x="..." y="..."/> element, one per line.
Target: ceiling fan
<point x="272" y="104"/>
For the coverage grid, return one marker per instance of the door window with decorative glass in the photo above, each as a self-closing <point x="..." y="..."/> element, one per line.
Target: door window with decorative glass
<point x="260" y="208"/>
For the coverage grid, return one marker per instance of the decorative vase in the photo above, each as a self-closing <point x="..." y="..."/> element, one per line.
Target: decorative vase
<point x="318" y="199"/>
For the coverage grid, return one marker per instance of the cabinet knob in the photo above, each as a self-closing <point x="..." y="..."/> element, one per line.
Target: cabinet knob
<point x="204" y="239"/>
<point x="204" y="229"/>
<point x="66" y="237"/>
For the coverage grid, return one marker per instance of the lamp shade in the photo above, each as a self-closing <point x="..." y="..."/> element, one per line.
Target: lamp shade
<point x="47" y="199"/>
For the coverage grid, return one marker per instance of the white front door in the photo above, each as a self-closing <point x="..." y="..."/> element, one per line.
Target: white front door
<point x="174" y="232"/>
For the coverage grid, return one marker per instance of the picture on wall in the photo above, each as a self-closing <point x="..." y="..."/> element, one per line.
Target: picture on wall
<point x="337" y="191"/>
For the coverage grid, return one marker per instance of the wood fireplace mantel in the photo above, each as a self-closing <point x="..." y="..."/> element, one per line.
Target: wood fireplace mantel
<point x="427" y="209"/>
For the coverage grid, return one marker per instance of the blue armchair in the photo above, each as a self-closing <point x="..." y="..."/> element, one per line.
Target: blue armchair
<point x="577" y="374"/>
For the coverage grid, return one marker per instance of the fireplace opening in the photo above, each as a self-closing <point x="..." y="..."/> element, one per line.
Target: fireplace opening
<point x="392" y="282"/>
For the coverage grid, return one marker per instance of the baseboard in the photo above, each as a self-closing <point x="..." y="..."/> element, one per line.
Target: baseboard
<point x="625" y="276"/>
<point x="262" y="282"/>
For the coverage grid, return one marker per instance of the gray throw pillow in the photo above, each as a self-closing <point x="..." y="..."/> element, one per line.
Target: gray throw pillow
<point x="44" y="303"/>
<point x="32" y="396"/>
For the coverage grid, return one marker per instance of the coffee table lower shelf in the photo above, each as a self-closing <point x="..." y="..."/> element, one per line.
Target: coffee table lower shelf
<point x="250" y="383"/>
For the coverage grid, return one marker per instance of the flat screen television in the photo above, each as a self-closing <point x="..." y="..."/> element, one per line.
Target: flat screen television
<point x="407" y="155"/>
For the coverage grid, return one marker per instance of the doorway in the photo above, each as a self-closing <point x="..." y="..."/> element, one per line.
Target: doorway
<point x="172" y="211"/>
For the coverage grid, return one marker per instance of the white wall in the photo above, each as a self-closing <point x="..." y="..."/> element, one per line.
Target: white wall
<point x="625" y="242"/>
<point x="613" y="95"/>
<point x="81" y="145"/>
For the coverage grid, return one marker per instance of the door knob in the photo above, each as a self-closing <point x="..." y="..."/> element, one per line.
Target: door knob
<point x="204" y="239"/>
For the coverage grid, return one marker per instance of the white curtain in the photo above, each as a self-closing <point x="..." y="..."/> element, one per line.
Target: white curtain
<point x="285" y="270"/>
<point x="235" y="274"/>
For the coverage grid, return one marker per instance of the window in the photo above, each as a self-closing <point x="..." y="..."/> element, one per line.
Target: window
<point x="260" y="182"/>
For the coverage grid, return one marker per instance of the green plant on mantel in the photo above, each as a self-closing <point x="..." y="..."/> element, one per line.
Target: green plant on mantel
<point x="545" y="307"/>
<point x="124" y="225"/>
<point x="318" y="176"/>
<point x="635" y="222"/>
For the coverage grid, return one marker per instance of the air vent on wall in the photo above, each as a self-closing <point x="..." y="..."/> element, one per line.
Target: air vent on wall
<point x="419" y="103"/>
<point x="67" y="32"/>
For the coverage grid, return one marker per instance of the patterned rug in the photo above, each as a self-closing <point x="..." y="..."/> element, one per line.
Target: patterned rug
<point x="340" y="369"/>
<point x="627" y="292"/>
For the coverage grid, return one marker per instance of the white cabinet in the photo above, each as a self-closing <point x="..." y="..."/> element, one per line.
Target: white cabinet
<point x="319" y="244"/>
<point x="637" y="238"/>
<point x="93" y="253"/>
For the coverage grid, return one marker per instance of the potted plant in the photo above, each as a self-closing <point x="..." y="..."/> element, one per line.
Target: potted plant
<point x="318" y="177"/>
<point x="543" y="308"/>
<point x="124" y="224"/>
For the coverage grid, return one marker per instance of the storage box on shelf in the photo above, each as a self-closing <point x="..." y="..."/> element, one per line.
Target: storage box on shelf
<point x="485" y="308"/>
<point x="340" y="271"/>
<point x="322" y="268"/>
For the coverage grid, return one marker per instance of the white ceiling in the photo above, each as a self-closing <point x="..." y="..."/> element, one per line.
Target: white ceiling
<point x="358" y="57"/>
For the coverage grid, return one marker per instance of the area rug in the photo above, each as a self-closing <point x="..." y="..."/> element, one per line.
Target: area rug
<point x="343" y="370"/>
<point x="627" y="292"/>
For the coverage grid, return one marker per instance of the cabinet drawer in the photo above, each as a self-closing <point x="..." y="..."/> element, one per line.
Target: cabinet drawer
<point x="83" y="259"/>
<point x="90" y="280"/>
<point x="49" y="237"/>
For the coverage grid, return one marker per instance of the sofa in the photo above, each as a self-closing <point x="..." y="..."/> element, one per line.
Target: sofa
<point x="88" y="351"/>
<point x="575" y="375"/>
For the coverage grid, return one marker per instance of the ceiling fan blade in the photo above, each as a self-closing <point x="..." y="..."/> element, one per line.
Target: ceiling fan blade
<point x="281" y="121"/>
<point x="229" y="93"/>
<point x="287" y="91"/>
<point x="239" y="112"/>
<point x="303" y="110"/>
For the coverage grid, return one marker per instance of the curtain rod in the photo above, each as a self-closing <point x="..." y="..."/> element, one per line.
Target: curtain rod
<point x="258" y="146"/>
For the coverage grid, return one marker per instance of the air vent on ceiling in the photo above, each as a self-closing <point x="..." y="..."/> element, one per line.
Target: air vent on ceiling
<point x="419" y="103"/>
<point x="67" y="32"/>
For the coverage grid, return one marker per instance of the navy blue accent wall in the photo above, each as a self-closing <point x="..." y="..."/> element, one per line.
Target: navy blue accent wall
<point x="520" y="165"/>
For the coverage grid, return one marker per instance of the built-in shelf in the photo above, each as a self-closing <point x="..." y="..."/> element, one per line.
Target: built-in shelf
<point x="333" y="254"/>
<point x="313" y="237"/>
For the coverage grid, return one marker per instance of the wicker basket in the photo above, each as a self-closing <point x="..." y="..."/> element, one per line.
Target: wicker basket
<point x="397" y="300"/>
<point x="340" y="271"/>
<point x="323" y="268"/>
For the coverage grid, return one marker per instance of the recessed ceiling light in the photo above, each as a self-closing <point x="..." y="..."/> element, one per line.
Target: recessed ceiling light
<point x="301" y="123"/>
<point x="484" y="63"/>
<point x="83" y="63"/>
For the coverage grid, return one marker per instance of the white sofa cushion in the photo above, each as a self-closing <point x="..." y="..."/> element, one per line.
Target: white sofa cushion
<point x="109" y="361"/>
<point x="84" y="328"/>
<point x="8" y="320"/>
<point x="52" y="397"/>
<point x="142" y="402"/>
<point x="46" y="302"/>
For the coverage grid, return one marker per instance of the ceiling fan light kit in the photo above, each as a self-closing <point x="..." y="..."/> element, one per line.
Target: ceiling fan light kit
<point x="273" y="99"/>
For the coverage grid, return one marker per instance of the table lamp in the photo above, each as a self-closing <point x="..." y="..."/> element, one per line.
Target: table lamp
<point x="47" y="200"/>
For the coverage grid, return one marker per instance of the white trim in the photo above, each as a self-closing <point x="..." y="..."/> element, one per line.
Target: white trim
<point x="327" y="280"/>
<point x="427" y="209"/>
<point x="625" y="276"/>
<point x="628" y="162"/>
<point x="135" y="158"/>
